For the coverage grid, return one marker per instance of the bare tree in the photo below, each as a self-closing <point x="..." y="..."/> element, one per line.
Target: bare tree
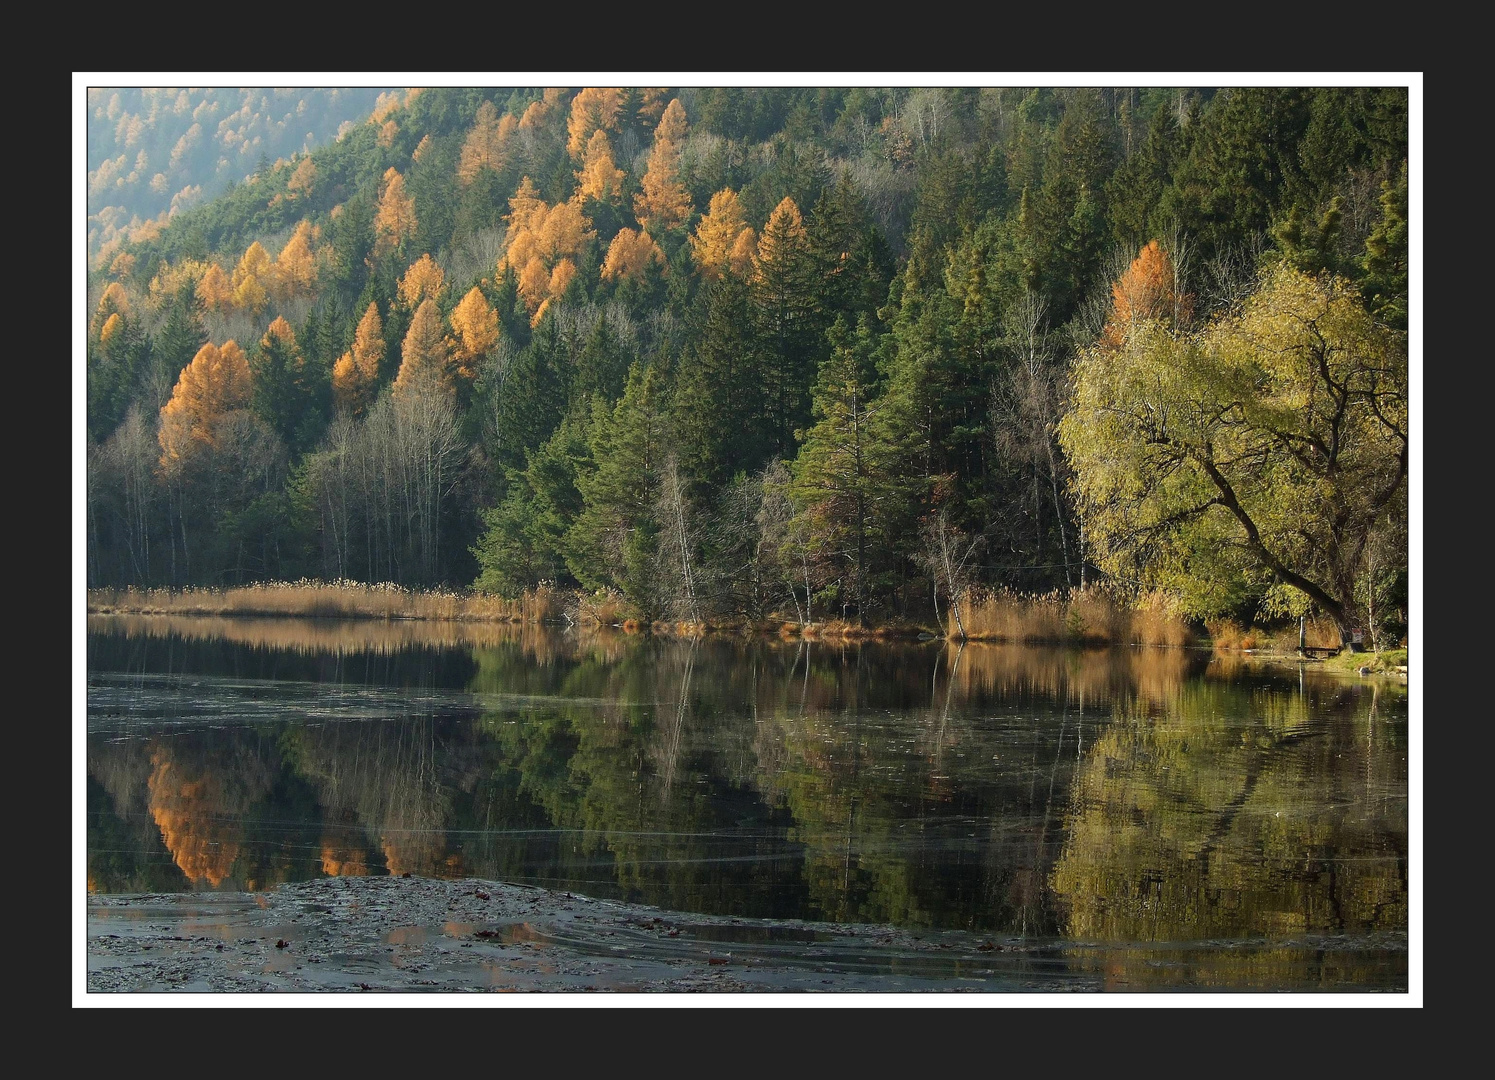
<point x="945" y="552"/>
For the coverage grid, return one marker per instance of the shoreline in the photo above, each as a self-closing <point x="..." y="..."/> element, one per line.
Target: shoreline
<point x="358" y="935"/>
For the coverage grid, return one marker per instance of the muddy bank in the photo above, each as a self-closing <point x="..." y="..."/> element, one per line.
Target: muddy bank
<point x="406" y="935"/>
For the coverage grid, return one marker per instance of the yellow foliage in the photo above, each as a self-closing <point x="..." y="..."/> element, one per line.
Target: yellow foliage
<point x="744" y="251"/>
<point x="599" y="177"/>
<point x="476" y="324"/>
<point x="594" y="109"/>
<point x="296" y="268"/>
<point x="423" y="279"/>
<point x="524" y="204"/>
<point x="304" y="178"/>
<point x="249" y="292"/>
<point x="123" y="266"/>
<point x="629" y="254"/>
<point x="561" y="276"/>
<point x="216" y="382"/>
<point x="214" y="289"/>
<point x="541" y="111"/>
<point x="484" y="147"/>
<point x="356" y="372"/>
<point x="387" y="133"/>
<point x="716" y="237"/>
<point x="424" y="356"/>
<point x="171" y="278"/>
<point x="421" y="148"/>
<point x="534" y="283"/>
<point x="113" y="325"/>
<point x="672" y="125"/>
<point x="540" y="239"/>
<point x="395" y="221"/>
<point x="281" y="331"/>
<point x="114" y="299"/>
<point x="664" y="202"/>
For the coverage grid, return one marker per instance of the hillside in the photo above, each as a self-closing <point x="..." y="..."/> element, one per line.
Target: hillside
<point x="706" y="352"/>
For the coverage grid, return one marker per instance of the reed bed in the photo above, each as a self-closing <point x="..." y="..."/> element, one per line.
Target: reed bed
<point x="334" y="600"/>
<point x="1093" y="615"/>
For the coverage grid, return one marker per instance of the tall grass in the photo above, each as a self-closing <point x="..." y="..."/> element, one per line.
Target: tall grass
<point x="335" y="599"/>
<point x="1094" y="615"/>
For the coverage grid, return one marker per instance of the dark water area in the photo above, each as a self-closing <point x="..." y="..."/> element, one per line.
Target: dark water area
<point x="1157" y="798"/>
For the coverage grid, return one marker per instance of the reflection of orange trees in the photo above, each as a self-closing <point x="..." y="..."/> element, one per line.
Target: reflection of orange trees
<point x="343" y="860"/>
<point x="1186" y="826"/>
<point x="199" y="809"/>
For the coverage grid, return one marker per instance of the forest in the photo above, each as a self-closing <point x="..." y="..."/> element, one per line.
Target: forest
<point x="714" y="354"/>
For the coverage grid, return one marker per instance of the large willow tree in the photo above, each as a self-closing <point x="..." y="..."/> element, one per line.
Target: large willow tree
<point x="1264" y="456"/>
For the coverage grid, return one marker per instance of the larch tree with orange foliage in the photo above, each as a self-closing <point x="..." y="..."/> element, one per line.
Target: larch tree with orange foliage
<point x="486" y="142"/>
<point x="394" y="223"/>
<point x="599" y="177"/>
<point x="629" y="255"/>
<point x="215" y="383"/>
<point x="303" y="178"/>
<point x="476" y="326"/>
<point x="1148" y="291"/>
<point x="543" y="245"/>
<point x="723" y="239"/>
<point x="595" y="109"/>
<point x="251" y="280"/>
<point x="295" y="271"/>
<point x="424" y="278"/>
<point x="214" y="289"/>
<point x="425" y="359"/>
<point x="664" y="203"/>
<point x="356" y="372"/>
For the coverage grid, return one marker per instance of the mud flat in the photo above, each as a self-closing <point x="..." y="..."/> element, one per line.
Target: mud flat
<point x="415" y="935"/>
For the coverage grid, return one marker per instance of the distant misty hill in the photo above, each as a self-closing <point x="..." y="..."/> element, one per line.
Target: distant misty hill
<point x="156" y="151"/>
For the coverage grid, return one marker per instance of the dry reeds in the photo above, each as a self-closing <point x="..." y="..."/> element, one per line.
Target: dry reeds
<point x="335" y="599"/>
<point x="1094" y="615"/>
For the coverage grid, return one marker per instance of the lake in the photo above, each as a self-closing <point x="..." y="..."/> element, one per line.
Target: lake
<point x="1164" y="818"/>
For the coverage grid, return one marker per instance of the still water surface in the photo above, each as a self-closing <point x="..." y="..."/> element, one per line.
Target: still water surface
<point x="1085" y="797"/>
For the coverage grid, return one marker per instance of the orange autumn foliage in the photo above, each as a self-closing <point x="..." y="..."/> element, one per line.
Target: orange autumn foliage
<point x="663" y="201"/>
<point x="714" y="246"/>
<point x="356" y="371"/>
<point x="595" y="109"/>
<point x="1145" y="292"/>
<point x="486" y="142"/>
<point x="599" y="178"/>
<point x="424" y="278"/>
<point x="216" y="382"/>
<point x="395" y="221"/>
<point x="540" y="112"/>
<point x="295" y="272"/>
<point x="629" y="255"/>
<point x="251" y="280"/>
<point x="476" y="326"/>
<point x="425" y="359"/>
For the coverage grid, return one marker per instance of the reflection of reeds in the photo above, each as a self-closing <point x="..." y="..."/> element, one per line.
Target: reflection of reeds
<point x="1092" y="615"/>
<point x="338" y="599"/>
<point x="1004" y="670"/>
